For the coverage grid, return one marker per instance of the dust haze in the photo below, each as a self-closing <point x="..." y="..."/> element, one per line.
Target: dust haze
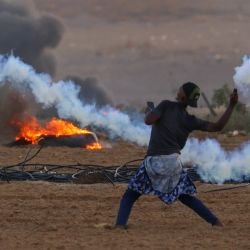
<point x="145" y="50"/>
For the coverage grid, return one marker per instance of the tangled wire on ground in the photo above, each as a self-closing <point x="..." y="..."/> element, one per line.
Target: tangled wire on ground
<point x="79" y="173"/>
<point x="76" y="173"/>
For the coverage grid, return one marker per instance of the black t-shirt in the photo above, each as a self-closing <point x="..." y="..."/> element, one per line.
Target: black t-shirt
<point x="169" y="134"/>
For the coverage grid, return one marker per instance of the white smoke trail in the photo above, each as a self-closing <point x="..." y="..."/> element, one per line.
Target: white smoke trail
<point x="214" y="163"/>
<point x="242" y="79"/>
<point x="64" y="96"/>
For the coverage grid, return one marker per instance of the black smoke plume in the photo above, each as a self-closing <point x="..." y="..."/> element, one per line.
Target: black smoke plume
<point x="13" y="106"/>
<point x="32" y="36"/>
<point x="91" y="92"/>
<point x="29" y="36"/>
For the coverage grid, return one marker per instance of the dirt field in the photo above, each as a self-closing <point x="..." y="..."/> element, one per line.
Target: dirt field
<point x="138" y="51"/>
<point x="42" y="215"/>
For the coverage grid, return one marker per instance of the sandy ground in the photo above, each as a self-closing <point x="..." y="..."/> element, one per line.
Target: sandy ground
<point x="42" y="215"/>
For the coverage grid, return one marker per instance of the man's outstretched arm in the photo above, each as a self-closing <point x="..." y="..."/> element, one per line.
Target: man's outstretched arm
<point x="220" y="124"/>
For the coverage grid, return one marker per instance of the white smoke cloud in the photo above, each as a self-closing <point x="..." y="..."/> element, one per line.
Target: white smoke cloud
<point x="214" y="163"/>
<point x="242" y="79"/>
<point x="64" y="95"/>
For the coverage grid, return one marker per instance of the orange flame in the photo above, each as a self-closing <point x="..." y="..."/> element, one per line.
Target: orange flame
<point x="93" y="146"/>
<point x="32" y="131"/>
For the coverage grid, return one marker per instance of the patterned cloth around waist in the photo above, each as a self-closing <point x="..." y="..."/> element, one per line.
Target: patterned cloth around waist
<point x="141" y="183"/>
<point x="164" y="171"/>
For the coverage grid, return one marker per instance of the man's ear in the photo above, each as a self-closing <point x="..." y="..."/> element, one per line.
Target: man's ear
<point x="184" y="98"/>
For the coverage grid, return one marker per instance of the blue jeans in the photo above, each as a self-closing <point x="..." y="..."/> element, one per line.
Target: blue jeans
<point x="192" y="202"/>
